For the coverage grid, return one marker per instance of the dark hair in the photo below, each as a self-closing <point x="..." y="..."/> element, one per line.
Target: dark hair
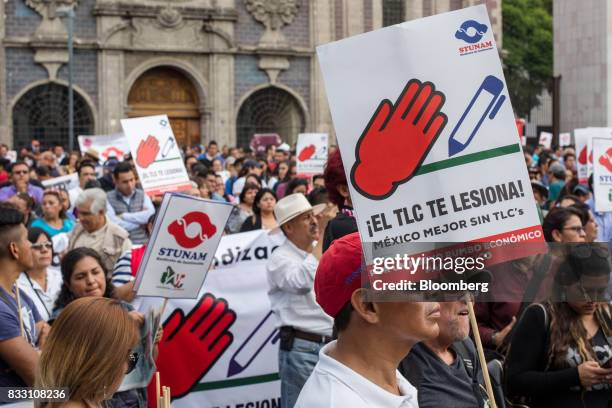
<point x="85" y="163"/>
<point x="568" y="154"/>
<point x="342" y="319"/>
<point x="43" y="171"/>
<point x="255" y="176"/>
<point x="318" y="195"/>
<point x="10" y="219"/>
<point x="30" y="203"/>
<point x="205" y="173"/>
<point x="197" y="168"/>
<point x="246" y="188"/>
<point x="123" y="167"/>
<point x="258" y="198"/>
<point x="334" y="176"/>
<point x="35" y="233"/>
<point x="556" y="219"/>
<point x="295" y="183"/>
<point x="570" y="197"/>
<point x="19" y="163"/>
<point x="69" y="262"/>
<point x="212" y="142"/>
<point x="56" y="194"/>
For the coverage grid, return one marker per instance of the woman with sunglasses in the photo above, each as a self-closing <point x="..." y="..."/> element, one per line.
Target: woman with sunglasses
<point x="88" y="353"/>
<point x="41" y="283"/>
<point x="84" y="276"/>
<point x="561" y="352"/>
<point x="54" y="220"/>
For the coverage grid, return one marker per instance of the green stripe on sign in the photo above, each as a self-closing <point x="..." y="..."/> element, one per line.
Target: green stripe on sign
<point x="215" y="385"/>
<point x="468" y="158"/>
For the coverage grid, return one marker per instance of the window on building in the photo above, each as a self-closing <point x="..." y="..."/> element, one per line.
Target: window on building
<point x="270" y="110"/>
<point x="42" y="113"/>
<point x="393" y="12"/>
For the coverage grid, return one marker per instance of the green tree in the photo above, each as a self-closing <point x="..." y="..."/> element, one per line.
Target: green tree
<point x="527" y="51"/>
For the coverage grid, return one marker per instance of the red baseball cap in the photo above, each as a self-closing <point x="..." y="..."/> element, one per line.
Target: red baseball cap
<point x="339" y="273"/>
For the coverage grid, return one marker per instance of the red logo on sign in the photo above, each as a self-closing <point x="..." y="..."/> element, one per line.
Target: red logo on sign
<point x="112" y="151"/>
<point x="582" y="157"/>
<point x="606" y="159"/>
<point x="306" y="153"/>
<point x="178" y="229"/>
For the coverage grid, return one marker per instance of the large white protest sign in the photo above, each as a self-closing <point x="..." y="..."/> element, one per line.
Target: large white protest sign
<point x="184" y="239"/>
<point x="602" y="174"/>
<point x="311" y="153"/>
<point x="156" y="154"/>
<point x="584" y="149"/>
<point x="545" y="139"/>
<point x="432" y="154"/>
<point x="67" y="182"/>
<point x="242" y="367"/>
<point x="114" y="145"/>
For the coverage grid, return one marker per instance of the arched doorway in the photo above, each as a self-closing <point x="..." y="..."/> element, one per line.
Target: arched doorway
<point x="270" y="110"/>
<point x="42" y="113"/>
<point x="165" y="90"/>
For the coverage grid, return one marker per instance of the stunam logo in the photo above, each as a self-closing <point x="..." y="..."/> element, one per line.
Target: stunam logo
<point x="471" y="32"/>
<point x="172" y="279"/>
<point x="178" y="229"/>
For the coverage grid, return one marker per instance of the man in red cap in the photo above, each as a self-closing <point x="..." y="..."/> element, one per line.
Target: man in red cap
<point x="360" y="368"/>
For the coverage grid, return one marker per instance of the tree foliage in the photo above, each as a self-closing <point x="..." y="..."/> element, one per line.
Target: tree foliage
<point x="527" y="51"/>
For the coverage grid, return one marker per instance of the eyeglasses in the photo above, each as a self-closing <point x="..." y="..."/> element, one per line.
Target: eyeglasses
<point x="21" y="172"/>
<point x="577" y="230"/>
<point x="132" y="361"/>
<point x="45" y="245"/>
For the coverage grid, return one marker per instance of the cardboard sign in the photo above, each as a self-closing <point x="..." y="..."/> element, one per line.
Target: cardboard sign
<point x="584" y="149"/>
<point x="157" y="156"/>
<point x="115" y="145"/>
<point x="63" y="183"/>
<point x="311" y="153"/>
<point x="565" y="139"/>
<point x="545" y="139"/>
<point x="432" y="154"/>
<point x="602" y="174"/>
<point x="182" y="246"/>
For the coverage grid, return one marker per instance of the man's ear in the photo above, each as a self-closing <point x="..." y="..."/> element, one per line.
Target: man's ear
<point x="556" y="234"/>
<point x="13" y="249"/>
<point x="366" y="310"/>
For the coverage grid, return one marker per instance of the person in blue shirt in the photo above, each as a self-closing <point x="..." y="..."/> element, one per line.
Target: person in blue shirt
<point x="54" y="220"/>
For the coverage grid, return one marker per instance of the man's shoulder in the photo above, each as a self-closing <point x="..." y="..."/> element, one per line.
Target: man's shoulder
<point x="117" y="230"/>
<point x="322" y="389"/>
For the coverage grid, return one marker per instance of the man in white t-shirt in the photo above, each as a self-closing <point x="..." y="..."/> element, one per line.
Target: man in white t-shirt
<point x="360" y="368"/>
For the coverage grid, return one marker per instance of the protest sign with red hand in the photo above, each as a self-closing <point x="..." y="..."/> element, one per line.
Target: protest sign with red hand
<point x="397" y="140"/>
<point x="147" y="152"/>
<point x="193" y="343"/>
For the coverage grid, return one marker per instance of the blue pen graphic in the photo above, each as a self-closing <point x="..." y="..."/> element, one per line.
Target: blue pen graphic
<point x="265" y="332"/>
<point x="487" y="101"/>
<point x="167" y="147"/>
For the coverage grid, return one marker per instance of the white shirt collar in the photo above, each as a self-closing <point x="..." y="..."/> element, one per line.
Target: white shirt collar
<point x="374" y="395"/>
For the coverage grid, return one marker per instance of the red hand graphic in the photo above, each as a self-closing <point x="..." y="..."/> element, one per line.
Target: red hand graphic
<point x="606" y="159"/>
<point x="397" y="139"/>
<point x="147" y="152"/>
<point x="192" y="344"/>
<point x="306" y="153"/>
<point x="582" y="157"/>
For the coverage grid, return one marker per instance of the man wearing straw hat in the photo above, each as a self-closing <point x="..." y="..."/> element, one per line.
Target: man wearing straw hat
<point x="21" y="327"/>
<point x="304" y="327"/>
<point x="359" y="370"/>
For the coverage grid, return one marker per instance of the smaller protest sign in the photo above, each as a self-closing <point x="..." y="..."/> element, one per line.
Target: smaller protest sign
<point x="11" y="155"/>
<point x="182" y="246"/>
<point x="157" y="156"/>
<point x="545" y="139"/>
<point x="565" y="139"/>
<point x="62" y="183"/>
<point x="581" y="136"/>
<point x="107" y="146"/>
<point x="602" y="174"/>
<point x="311" y="153"/>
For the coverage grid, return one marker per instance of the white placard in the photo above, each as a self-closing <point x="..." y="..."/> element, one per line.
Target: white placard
<point x="602" y="174"/>
<point x="311" y="153"/>
<point x="156" y="154"/>
<point x="565" y="139"/>
<point x="584" y="149"/>
<point x="545" y="139"/>
<point x="67" y="182"/>
<point x="185" y="236"/>
<point x="432" y="154"/>
<point x="114" y="145"/>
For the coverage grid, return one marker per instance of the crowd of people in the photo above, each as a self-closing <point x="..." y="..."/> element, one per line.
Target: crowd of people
<point x="68" y="256"/>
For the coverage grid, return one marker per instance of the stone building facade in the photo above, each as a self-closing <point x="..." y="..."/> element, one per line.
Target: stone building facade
<point x="220" y="69"/>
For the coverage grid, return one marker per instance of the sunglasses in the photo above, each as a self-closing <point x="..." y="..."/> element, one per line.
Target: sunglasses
<point x="132" y="361"/>
<point x="45" y="245"/>
<point x="21" y="172"/>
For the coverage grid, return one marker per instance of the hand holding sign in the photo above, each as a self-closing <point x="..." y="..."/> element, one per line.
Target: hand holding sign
<point x="147" y="152"/>
<point x="397" y="139"/>
<point x="205" y="329"/>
